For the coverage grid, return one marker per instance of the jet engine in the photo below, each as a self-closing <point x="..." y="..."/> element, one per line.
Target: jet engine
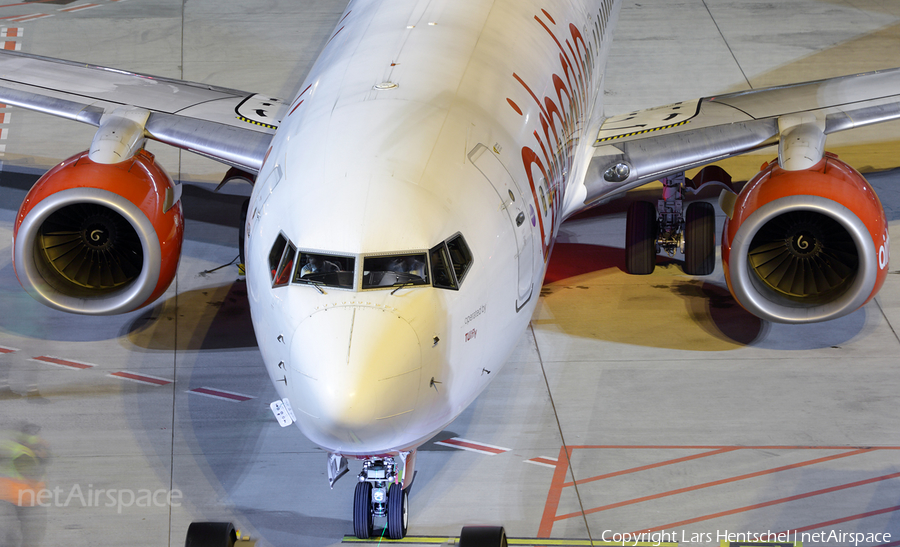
<point x="99" y="239"/>
<point x="806" y="246"/>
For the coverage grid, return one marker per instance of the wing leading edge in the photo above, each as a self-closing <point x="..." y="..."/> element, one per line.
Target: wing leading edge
<point x="230" y="126"/>
<point x="640" y="147"/>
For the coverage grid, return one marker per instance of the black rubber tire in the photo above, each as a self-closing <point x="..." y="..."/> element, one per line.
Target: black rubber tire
<point x="243" y="226"/>
<point x="362" y="510"/>
<point x="482" y="536"/>
<point x="397" y="512"/>
<point x="640" y="238"/>
<point x="210" y="534"/>
<point x="700" y="239"/>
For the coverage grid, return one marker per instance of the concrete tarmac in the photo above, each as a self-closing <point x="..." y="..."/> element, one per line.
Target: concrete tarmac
<point x="632" y="404"/>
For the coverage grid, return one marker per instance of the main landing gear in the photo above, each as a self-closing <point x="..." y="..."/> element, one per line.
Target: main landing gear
<point x="665" y="227"/>
<point x="380" y="494"/>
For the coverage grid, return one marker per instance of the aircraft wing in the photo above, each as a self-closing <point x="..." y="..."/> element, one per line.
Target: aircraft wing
<point x="231" y="126"/>
<point x="640" y="147"/>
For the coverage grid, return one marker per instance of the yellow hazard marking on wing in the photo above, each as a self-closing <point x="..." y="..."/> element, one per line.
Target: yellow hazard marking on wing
<point x="624" y="135"/>
<point x="261" y="124"/>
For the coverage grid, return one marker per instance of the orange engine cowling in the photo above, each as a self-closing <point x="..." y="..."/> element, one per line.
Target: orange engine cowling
<point x="806" y="246"/>
<point x="99" y="239"/>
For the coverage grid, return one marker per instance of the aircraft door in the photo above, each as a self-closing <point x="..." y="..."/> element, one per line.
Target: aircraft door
<point x="511" y="200"/>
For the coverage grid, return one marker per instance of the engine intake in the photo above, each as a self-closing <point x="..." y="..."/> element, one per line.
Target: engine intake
<point x="806" y="246"/>
<point x="99" y="239"/>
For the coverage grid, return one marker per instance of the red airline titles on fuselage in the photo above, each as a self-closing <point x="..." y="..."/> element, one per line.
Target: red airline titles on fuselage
<point x="560" y="120"/>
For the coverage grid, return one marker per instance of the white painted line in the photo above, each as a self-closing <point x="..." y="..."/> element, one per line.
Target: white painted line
<point x="543" y="460"/>
<point x="473" y="446"/>
<point x="11" y="32"/>
<point x="31" y="17"/>
<point x="79" y="7"/>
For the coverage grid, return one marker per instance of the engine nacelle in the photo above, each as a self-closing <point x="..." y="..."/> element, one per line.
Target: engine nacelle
<point x="806" y="246"/>
<point x="99" y="239"/>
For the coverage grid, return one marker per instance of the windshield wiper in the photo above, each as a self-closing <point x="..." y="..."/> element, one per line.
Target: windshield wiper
<point x="316" y="286"/>
<point x="401" y="285"/>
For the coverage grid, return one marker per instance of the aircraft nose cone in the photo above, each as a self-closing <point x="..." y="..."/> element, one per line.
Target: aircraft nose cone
<point x="356" y="376"/>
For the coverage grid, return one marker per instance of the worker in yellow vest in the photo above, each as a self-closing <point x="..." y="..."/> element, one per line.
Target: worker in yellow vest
<point x="23" y="464"/>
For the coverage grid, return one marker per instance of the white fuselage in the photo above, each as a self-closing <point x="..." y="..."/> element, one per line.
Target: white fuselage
<point x="421" y="120"/>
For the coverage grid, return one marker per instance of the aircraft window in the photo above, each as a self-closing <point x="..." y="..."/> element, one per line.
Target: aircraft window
<point x="440" y="268"/>
<point x="276" y="253"/>
<point x="283" y="273"/>
<point x="394" y="271"/>
<point x="460" y="256"/>
<point x="326" y="270"/>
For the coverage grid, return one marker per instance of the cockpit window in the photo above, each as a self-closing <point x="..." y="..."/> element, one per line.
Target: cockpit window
<point x="281" y="261"/>
<point x="326" y="270"/>
<point x="276" y="253"/>
<point x="450" y="261"/>
<point x="394" y="271"/>
<point x="283" y="277"/>
<point x="440" y="268"/>
<point x="460" y="256"/>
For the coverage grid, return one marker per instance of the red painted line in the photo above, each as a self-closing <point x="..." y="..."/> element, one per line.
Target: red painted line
<point x="654" y="465"/>
<point x="714" y="483"/>
<point x="19" y="4"/>
<point x="464" y="444"/>
<point x="12" y="32"/>
<point x="62" y="362"/>
<point x="219" y="394"/>
<point x="4" y="349"/>
<point x="10" y="46"/>
<point x="773" y="502"/>
<point x="553" y="496"/>
<point x="141" y="378"/>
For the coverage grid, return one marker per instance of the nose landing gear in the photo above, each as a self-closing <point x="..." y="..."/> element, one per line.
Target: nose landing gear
<point x="380" y="494"/>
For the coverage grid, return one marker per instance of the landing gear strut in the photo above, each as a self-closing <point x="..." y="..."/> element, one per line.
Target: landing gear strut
<point x="664" y="227"/>
<point x="380" y="494"/>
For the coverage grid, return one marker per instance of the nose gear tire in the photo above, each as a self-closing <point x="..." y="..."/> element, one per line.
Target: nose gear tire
<point x="397" y="516"/>
<point x="362" y="510"/>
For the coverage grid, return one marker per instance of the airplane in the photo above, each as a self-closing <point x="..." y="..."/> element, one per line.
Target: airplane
<point x="406" y="201"/>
